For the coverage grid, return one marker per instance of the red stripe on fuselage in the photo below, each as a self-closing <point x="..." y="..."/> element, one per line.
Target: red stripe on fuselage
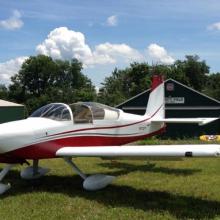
<point x="48" y="149"/>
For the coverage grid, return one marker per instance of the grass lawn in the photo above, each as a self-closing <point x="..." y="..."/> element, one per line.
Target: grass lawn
<point x="144" y="189"/>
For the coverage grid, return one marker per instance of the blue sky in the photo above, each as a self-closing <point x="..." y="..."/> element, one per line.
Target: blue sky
<point x="108" y="34"/>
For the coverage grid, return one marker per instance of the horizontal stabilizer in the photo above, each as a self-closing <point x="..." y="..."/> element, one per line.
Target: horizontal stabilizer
<point x="200" y="121"/>
<point x="202" y="150"/>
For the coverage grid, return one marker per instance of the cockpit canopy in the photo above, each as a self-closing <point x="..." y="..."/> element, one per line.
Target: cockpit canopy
<point x="80" y="112"/>
<point x="86" y="112"/>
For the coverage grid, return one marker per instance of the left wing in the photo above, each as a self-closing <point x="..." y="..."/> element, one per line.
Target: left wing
<point x="204" y="150"/>
<point x="200" y="121"/>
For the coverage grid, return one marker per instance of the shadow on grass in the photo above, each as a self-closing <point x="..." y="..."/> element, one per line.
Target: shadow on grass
<point x="179" y="206"/>
<point x="125" y="168"/>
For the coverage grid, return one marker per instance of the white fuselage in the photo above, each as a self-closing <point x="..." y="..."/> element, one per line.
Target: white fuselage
<point x="36" y="138"/>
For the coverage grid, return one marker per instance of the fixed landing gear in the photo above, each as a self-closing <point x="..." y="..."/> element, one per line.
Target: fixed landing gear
<point x="3" y="173"/>
<point x="93" y="182"/>
<point x="34" y="172"/>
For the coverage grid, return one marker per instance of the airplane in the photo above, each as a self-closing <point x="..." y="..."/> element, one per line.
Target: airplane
<point x="89" y="129"/>
<point x="209" y="137"/>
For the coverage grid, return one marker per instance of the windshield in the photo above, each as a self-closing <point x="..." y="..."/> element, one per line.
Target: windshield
<point x="55" y="111"/>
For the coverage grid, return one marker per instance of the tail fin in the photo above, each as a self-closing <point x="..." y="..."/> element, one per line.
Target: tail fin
<point x="156" y="103"/>
<point x="156" y="106"/>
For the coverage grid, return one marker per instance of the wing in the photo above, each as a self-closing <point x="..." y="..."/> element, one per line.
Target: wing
<point x="200" y="121"/>
<point x="206" y="150"/>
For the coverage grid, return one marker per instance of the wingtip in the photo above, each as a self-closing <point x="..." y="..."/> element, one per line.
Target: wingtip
<point x="207" y="120"/>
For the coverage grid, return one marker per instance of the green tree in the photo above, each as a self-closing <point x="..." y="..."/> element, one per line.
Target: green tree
<point x="123" y="84"/>
<point x="36" y="75"/>
<point x="42" y="80"/>
<point x="3" y="92"/>
<point x="191" y="71"/>
<point x="212" y="87"/>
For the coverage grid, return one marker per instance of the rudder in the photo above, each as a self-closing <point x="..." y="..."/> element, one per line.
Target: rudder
<point x="156" y="101"/>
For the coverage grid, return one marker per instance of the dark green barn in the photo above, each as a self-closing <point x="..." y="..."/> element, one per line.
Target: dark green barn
<point x="10" y="111"/>
<point x="182" y="102"/>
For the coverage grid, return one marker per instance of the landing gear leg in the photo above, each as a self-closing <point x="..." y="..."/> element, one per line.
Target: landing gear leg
<point x="34" y="172"/>
<point x="75" y="168"/>
<point x="93" y="182"/>
<point x="3" y="173"/>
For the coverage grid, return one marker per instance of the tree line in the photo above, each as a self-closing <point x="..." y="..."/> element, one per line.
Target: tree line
<point x="42" y="80"/>
<point x="128" y="82"/>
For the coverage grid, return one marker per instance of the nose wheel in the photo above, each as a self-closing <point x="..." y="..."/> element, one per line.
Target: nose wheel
<point x="34" y="172"/>
<point x="3" y="173"/>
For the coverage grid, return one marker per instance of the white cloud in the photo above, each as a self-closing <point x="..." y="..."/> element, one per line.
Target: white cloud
<point x="214" y="26"/>
<point x="112" y="53"/>
<point x="62" y="43"/>
<point x="112" y="20"/>
<point x="10" y="68"/>
<point x="12" y="23"/>
<point x="159" y="54"/>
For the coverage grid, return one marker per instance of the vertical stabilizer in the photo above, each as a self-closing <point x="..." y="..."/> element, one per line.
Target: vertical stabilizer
<point x="156" y="103"/>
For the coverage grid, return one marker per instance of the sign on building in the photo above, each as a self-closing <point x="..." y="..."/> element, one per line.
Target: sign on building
<point x="175" y="100"/>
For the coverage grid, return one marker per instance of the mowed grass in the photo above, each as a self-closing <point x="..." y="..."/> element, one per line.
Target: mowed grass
<point x="188" y="188"/>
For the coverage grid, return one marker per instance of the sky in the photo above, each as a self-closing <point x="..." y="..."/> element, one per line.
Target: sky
<point x="105" y="34"/>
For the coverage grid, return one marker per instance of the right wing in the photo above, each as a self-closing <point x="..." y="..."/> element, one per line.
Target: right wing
<point x="202" y="150"/>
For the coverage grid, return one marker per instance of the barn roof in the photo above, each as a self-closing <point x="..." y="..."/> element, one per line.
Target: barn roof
<point x="4" y="103"/>
<point x="202" y="94"/>
<point x="139" y="101"/>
